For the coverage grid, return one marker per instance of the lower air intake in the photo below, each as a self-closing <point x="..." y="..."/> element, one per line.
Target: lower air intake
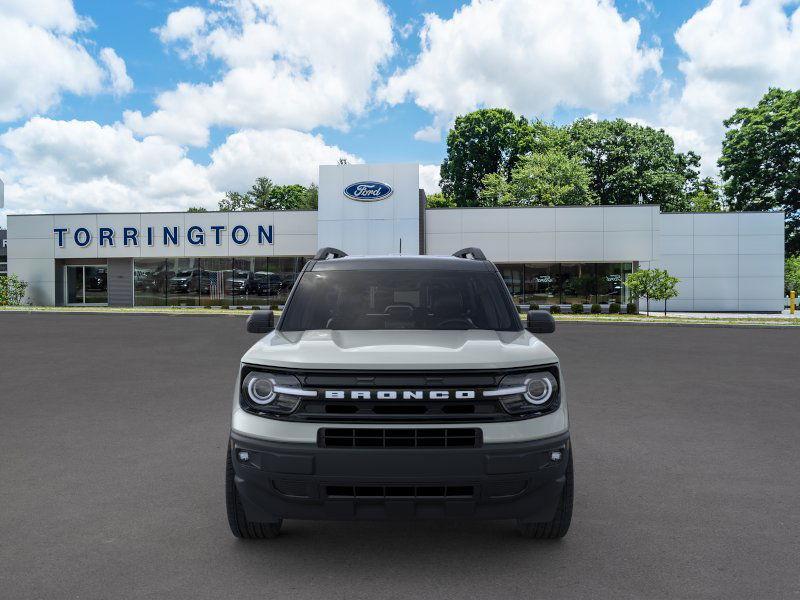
<point x="334" y="437"/>
<point x="400" y="491"/>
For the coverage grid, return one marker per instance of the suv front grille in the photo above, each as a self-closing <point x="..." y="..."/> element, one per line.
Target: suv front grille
<point x="361" y="396"/>
<point x="334" y="437"/>
<point x="381" y="492"/>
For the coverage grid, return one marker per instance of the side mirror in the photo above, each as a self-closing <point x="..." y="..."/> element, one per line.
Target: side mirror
<point x="261" y="322"/>
<point x="541" y="321"/>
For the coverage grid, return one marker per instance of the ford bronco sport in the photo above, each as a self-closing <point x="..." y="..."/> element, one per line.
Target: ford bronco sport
<point x="399" y="387"/>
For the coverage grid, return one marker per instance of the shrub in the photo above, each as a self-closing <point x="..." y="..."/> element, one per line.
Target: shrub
<point x="614" y="308"/>
<point x="596" y="310"/>
<point x="632" y="308"/>
<point x="576" y="308"/>
<point x="12" y="290"/>
<point x="555" y="309"/>
<point x="274" y="307"/>
<point x="534" y="306"/>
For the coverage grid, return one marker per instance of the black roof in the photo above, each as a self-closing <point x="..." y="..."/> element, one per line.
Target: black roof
<point x="401" y="263"/>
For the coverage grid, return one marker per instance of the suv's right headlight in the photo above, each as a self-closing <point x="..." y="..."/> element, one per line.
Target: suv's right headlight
<point x="528" y="393"/>
<point x="275" y="393"/>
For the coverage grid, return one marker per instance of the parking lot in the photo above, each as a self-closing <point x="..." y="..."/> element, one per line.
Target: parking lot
<point x="112" y="440"/>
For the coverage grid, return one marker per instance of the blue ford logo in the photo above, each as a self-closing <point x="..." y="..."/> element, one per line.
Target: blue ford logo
<point x="368" y="191"/>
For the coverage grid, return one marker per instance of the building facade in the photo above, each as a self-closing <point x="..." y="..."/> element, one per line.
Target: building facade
<point x="561" y="255"/>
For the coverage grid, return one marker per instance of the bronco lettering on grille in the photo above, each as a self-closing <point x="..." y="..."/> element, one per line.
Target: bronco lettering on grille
<point x="399" y="394"/>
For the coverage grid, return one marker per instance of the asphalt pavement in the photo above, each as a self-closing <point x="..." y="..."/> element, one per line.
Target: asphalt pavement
<point x="112" y="440"/>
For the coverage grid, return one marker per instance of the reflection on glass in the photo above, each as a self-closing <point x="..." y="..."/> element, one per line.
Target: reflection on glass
<point x="149" y="282"/>
<point x="74" y="285"/>
<point x="512" y="275"/>
<point x="184" y="281"/>
<point x="609" y="283"/>
<point x="95" y="285"/>
<point x="217" y="292"/>
<point x="542" y="284"/>
<point x="578" y="283"/>
<point x="215" y="281"/>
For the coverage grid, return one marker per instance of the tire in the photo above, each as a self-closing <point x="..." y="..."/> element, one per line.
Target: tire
<point x="240" y="526"/>
<point x="558" y="527"/>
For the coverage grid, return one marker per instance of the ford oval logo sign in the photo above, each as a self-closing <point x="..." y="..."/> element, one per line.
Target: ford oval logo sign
<point x="368" y="191"/>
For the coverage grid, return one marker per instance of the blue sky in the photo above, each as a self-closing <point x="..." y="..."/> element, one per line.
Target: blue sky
<point x="127" y="26"/>
<point x="146" y="104"/>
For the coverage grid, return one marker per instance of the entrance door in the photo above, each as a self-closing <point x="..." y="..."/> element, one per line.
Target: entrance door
<point x="86" y="284"/>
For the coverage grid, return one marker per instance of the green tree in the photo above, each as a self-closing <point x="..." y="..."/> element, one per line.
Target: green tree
<point x="495" y="190"/>
<point x="259" y="197"/>
<point x="439" y="200"/>
<point x="312" y="197"/>
<point x="197" y="209"/>
<point x="791" y="277"/>
<point x="706" y="197"/>
<point x="234" y="201"/>
<point x="548" y="179"/>
<point x="288" y="197"/>
<point x="643" y="284"/>
<point x="627" y="162"/>
<point x="486" y="141"/>
<point x="760" y="162"/>
<point x="12" y="290"/>
<point x="265" y="195"/>
<point x="666" y="288"/>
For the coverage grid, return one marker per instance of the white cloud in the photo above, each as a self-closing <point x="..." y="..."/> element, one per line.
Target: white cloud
<point x="81" y="166"/>
<point x="286" y="65"/>
<point x="58" y="15"/>
<point x="283" y="155"/>
<point x="429" y="178"/>
<point x="183" y="24"/>
<point x="528" y="55"/>
<point x="41" y="58"/>
<point x="121" y="83"/>
<point x="733" y="52"/>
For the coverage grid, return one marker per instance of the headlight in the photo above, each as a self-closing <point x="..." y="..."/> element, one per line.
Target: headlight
<point x="271" y="392"/>
<point x="539" y="388"/>
<point x="260" y="389"/>
<point x="535" y="392"/>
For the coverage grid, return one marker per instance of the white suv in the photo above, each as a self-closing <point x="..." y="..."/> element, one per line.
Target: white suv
<point x="399" y="387"/>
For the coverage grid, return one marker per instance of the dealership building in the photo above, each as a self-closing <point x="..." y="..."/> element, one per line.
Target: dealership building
<point x="560" y="255"/>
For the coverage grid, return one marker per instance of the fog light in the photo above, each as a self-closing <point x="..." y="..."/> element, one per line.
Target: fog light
<point x="243" y="455"/>
<point x="555" y="455"/>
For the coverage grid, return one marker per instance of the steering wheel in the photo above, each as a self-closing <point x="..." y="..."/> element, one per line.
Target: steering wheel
<point x="455" y="320"/>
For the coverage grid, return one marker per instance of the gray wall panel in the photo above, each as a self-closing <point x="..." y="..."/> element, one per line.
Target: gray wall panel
<point x="120" y="282"/>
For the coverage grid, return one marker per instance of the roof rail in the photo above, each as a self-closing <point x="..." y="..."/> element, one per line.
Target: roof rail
<point x="327" y="252"/>
<point x="473" y="253"/>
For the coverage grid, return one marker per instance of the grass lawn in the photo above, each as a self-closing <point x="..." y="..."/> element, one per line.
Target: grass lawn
<point x="766" y="320"/>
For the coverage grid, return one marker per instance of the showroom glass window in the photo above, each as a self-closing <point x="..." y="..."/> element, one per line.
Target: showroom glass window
<point x="245" y="281"/>
<point x="542" y="284"/>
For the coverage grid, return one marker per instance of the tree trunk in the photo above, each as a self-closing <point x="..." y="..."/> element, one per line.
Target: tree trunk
<point x="648" y="305"/>
<point x="665" y="308"/>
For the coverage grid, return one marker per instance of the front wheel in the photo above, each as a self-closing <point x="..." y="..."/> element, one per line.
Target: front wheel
<point x="558" y="527"/>
<point x="240" y="526"/>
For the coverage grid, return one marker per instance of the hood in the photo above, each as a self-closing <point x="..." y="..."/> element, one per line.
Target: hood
<point x="400" y="349"/>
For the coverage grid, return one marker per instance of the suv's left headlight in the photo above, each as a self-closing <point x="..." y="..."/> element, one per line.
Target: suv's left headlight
<point x="535" y="392"/>
<point x="265" y="392"/>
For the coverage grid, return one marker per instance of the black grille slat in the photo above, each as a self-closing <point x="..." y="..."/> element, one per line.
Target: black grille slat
<point x="334" y="437"/>
<point x="382" y="492"/>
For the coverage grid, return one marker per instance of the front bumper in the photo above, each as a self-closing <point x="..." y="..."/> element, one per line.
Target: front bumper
<point x="303" y="481"/>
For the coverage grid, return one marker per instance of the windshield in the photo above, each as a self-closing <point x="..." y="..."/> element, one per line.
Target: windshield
<point x="419" y="299"/>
